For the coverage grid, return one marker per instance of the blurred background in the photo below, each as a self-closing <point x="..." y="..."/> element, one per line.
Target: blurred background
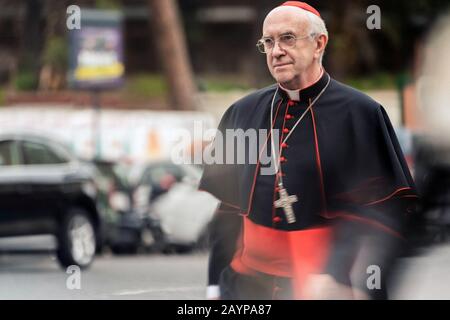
<point x="96" y="94"/>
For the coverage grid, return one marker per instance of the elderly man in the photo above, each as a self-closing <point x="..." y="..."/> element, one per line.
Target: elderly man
<point x="339" y="189"/>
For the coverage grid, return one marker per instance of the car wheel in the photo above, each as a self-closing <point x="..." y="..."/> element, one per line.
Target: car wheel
<point x="77" y="239"/>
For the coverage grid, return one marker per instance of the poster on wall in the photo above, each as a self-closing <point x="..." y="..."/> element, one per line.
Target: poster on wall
<point x="96" y="59"/>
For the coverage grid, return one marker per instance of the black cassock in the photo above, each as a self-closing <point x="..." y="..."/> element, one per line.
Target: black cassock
<point x="344" y="164"/>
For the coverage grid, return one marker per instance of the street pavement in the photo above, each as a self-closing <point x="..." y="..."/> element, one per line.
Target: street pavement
<point x="36" y="275"/>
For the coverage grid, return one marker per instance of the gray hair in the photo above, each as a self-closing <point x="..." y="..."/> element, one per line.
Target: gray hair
<point x="317" y="27"/>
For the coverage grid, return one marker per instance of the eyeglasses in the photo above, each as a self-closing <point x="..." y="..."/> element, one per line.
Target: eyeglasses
<point x="285" y="41"/>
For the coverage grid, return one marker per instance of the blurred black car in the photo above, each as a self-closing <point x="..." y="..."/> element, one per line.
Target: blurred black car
<point x="44" y="189"/>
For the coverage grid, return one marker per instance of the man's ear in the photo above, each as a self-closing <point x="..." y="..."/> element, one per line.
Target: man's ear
<point x="321" y="44"/>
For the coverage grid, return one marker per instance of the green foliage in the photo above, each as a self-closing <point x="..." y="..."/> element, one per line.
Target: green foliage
<point x="222" y="83"/>
<point x="25" y="80"/>
<point x="56" y="53"/>
<point x="108" y="4"/>
<point x="146" y="85"/>
<point x="380" y="80"/>
<point x="2" y="96"/>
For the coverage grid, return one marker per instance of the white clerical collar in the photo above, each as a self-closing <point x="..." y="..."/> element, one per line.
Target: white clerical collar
<point x="295" y="94"/>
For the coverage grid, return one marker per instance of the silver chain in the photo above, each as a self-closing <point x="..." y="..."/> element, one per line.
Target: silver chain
<point x="277" y="161"/>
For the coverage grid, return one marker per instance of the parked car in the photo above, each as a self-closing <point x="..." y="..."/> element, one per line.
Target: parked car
<point x="177" y="213"/>
<point x="44" y="189"/>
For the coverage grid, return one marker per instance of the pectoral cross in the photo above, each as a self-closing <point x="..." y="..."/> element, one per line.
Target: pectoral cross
<point x="285" y="201"/>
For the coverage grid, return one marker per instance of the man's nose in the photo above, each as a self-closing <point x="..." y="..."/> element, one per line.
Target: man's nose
<point x="277" y="50"/>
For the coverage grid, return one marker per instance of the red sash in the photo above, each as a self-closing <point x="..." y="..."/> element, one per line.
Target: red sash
<point x="293" y="254"/>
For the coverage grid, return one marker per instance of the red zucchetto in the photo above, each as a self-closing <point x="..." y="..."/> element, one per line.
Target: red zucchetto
<point x="301" y="5"/>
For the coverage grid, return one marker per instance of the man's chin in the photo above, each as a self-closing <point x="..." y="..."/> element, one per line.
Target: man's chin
<point x="285" y="82"/>
<point x="282" y="78"/>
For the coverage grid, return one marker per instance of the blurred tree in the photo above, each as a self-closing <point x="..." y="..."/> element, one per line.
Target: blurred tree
<point x="260" y="73"/>
<point x="171" y="45"/>
<point x="351" y="48"/>
<point x="53" y="71"/>
<point x="355" y="50"/>
<point x="27" y="73"/>
<point x="54" y="56"/>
